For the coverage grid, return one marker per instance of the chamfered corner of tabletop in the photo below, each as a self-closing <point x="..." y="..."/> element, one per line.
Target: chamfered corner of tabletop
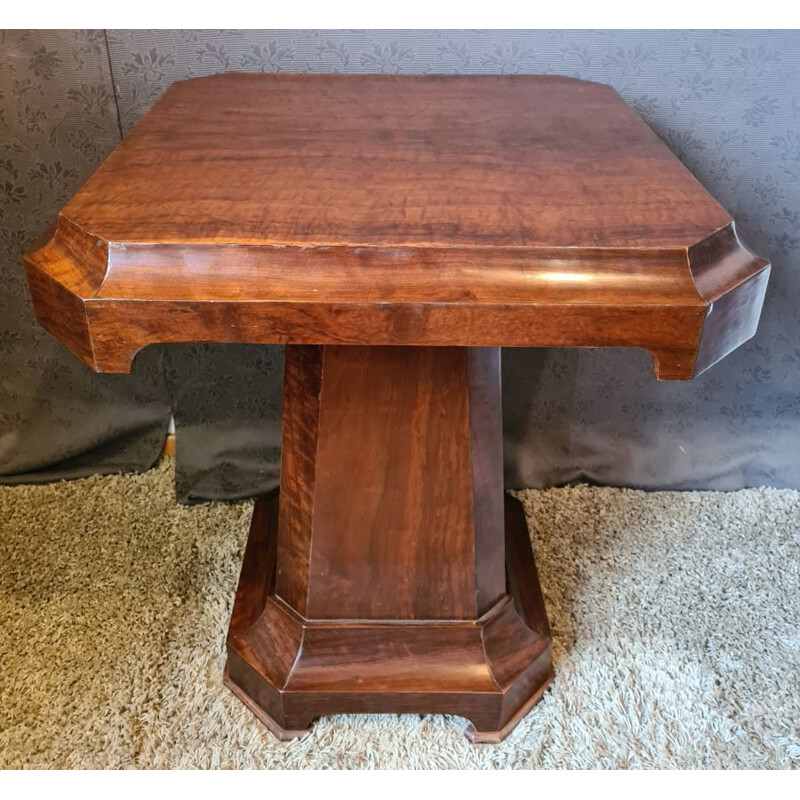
<point x="733" y="282"/>
<point x="65" y="268"/>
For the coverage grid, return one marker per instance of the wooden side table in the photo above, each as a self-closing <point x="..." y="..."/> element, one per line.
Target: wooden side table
<point x="394" y="232"/>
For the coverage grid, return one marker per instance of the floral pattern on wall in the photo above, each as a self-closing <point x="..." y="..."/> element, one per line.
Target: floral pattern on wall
<point x="726" y="102"/>
<point x="58" y="120"/>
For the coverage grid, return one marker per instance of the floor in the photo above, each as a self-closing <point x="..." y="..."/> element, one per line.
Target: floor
<point x="676" y="619"/>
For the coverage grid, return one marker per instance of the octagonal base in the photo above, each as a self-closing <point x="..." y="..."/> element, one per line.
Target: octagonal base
<point x="288" y="670"/>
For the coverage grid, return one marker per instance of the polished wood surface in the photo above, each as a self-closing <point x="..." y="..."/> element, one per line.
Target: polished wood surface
<point x="374" y="209"/>
<point x="394" y="232"/>
<point x="377" y="160"/>
<point x="397" y="598"/>
<point x="414" y="428"/>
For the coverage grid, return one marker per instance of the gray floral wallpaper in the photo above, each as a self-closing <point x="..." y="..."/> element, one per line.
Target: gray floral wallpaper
<point x="58" y="120"/>
<point x="726" y="102"/>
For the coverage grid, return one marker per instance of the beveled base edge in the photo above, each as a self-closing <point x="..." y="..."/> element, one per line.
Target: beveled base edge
<point x="288" y="670"/>
<point x="283" y="734"/>
<point x="495" y="737"/>
<point x="475" y="736"/>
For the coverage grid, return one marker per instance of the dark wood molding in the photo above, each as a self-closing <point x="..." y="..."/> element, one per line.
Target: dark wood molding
<point x="408" y="599"/>
<point x="573" y="225"/>
<point x="394" y="232"/>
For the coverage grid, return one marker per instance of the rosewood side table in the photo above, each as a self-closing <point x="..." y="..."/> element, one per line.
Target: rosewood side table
<point x="393" y="232"/>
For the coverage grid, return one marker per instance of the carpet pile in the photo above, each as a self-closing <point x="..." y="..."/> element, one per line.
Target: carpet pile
<point x="676" y="619"/>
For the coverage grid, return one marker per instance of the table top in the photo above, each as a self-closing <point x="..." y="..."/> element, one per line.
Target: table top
<point x="473" y="210"/>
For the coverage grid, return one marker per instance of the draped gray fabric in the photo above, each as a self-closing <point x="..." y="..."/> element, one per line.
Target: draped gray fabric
<point x="726" y="102"/>
<point x="58" y="120"/>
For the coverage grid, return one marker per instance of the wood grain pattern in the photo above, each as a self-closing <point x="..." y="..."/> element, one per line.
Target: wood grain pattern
<point x="394" y="232"/>
<point x="409" y="210"/>
<point x="376" y="159"/>
<point x="381" y="584"/>
<point x="300" y="423"/>
<point x="409" y="454"/>
<point x="289" y="668"/>
<point x="400" y="426"/>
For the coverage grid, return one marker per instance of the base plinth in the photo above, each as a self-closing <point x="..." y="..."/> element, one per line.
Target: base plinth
<point x="288" y="669"/>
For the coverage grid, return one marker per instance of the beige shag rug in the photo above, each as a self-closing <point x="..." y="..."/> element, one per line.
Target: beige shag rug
<point x="676" y="619"/>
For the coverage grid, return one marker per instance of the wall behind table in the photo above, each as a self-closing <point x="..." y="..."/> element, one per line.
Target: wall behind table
<point x="727" y="103"/>
<point x="58" y="120"/>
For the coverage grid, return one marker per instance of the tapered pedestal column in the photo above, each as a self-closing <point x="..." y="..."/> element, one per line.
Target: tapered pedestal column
<point x="392" y="575"/>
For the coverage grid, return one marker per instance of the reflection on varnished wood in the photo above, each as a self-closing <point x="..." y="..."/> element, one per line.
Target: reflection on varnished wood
<point x="394" y="232"/>
<point x="397" y="210"/>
